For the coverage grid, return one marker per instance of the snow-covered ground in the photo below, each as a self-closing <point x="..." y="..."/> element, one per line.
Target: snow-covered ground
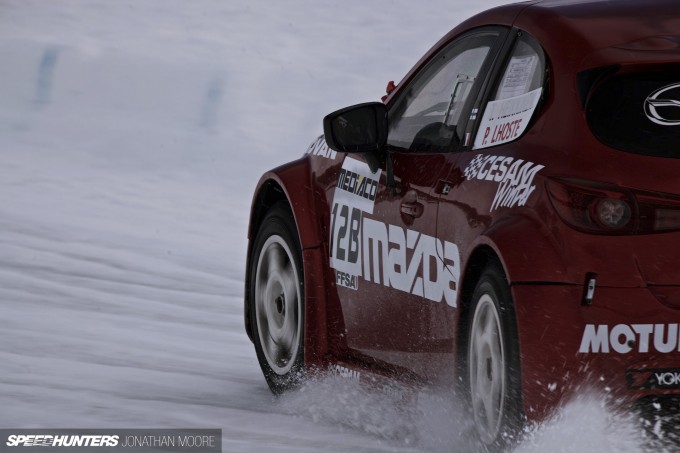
<point x="132" y="133"/>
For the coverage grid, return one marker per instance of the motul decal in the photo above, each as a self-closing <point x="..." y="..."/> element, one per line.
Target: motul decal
<point x="624" y="338"/>
<point x="515" y="178"/>
<point x="398" y="258"/>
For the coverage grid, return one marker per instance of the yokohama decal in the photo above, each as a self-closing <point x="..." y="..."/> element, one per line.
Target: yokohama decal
<point x="515" y="178"/>
<point x="624" y="338"/>
<point x="644" y="379"/>
<point x="398" y="258"/>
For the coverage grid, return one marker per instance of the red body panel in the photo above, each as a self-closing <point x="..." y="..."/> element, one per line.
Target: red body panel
<point x="385" y="322"/>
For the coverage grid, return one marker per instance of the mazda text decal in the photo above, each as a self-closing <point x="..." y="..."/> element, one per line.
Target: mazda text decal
<point x="424" y="274"/>
<point x="661" y="107"/>
<point x="624" y="338"/>
<point x="515" y="178"/>
<point x="385" y="254"/>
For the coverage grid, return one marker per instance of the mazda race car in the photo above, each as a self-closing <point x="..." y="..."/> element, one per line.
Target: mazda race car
<point x="505" y="222"/>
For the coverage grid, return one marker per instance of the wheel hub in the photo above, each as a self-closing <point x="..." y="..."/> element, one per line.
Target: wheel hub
<point x="277" y="305"/>
<point x="280" y="304"/>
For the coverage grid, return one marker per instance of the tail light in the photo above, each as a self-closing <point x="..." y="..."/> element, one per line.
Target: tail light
<point x="599" y="208"/>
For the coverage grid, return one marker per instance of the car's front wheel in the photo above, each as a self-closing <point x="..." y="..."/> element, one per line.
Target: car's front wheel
<point x="276" y="298"/>
<point x="493" y="361"/>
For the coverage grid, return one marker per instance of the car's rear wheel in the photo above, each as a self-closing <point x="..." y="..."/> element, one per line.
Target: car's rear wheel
<point x="276" y="298"/>
<point x="493" y="361"/>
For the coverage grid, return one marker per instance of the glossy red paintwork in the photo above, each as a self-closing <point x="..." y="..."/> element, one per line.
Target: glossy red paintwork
<point x="546" y="261"/>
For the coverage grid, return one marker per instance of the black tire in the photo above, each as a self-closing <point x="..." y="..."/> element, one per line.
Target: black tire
<point x="493" y="362"/>
<point x="277" y="300"/>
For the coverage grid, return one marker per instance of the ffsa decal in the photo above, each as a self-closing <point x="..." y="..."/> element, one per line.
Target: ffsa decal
<point x="515" y="178"/>
<point x="398" y="258"/>
<point x="320" y="148"/>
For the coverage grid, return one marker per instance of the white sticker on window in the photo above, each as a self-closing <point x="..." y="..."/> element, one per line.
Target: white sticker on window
<point x="506" y="120"/>
<point x="518" y="75"/>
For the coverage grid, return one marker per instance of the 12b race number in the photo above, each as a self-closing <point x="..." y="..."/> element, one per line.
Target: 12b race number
<point x="345" y="238"/>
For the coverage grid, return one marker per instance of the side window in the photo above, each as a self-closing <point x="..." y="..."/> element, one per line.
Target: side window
<point x="514" y="100"/>
<point x="426" y="116"/>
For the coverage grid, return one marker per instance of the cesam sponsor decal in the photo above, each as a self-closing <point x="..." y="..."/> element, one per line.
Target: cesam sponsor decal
<point x="398" y="258"/>
<point x="515" y="178"/>
<point x="624" y="338"/>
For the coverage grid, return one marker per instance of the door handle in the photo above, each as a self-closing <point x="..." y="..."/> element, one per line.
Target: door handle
<point x="412" y="208"/>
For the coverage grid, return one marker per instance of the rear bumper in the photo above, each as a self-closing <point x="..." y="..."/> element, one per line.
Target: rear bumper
<point x="626" y="344"/>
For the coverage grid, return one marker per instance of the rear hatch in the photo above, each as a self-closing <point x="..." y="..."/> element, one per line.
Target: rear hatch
<point x="635" y="109"/>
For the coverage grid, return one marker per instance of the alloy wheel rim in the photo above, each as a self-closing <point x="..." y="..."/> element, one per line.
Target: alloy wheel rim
<point x="487" y="370"/>
<point x="277" y="304"/>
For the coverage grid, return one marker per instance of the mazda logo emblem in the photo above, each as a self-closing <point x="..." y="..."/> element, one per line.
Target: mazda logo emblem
<point x="656" y="101"/>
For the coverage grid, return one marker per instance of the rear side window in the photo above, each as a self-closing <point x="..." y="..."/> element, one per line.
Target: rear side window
<point x="638" y="112"/>
<point x="514" y="100"/>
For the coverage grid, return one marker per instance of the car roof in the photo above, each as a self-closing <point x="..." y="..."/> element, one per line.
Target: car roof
<point x="584" y="34"/>
<point x="578" y="29"/>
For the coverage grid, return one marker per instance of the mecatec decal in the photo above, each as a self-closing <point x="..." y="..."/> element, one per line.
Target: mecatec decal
<point x="515" y="178"/>
<point x="385" y="254"/>
<point x="624" y="338"/>
<point x="669" y="105"/>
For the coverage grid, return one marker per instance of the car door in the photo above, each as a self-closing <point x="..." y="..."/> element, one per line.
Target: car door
<point x="489" y="177"/>
<point x="399" y="283"/>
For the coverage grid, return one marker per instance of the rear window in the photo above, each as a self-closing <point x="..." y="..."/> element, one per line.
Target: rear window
<point x="638" y="112"/>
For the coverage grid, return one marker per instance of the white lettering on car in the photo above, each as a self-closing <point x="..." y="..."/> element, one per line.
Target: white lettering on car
<point x="398" y="258"/>
<point x="624" y="338"/>
<point x="668" y="378"/>
<point x="320" y="148"/>
<point x="515" y="178"/>
<point x="386" y="262"/>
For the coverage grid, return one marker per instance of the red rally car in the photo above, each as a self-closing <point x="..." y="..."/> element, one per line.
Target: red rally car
<point x="506" y="221"/>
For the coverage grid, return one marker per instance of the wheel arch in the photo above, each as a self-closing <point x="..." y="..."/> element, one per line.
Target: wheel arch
<point x="480" y="257"/>
<point x="292" y="184"/>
